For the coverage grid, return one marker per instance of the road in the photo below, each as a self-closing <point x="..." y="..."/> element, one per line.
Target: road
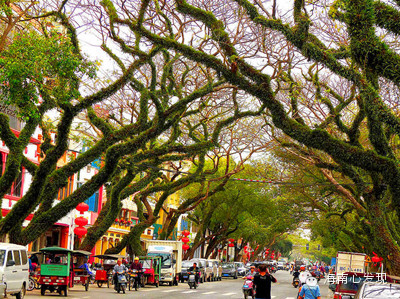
<point x="228" y="288"/>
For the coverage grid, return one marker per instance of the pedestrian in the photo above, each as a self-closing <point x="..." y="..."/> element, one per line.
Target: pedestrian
<point x="262" y="282"/>
<point x="310" y="290"/>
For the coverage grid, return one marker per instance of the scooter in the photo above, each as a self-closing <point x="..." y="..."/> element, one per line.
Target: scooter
<point x="296" y="282"/>
<point x="121" y="282"/>
<point x="248" y="288"/>
<point x="192" y="280"/>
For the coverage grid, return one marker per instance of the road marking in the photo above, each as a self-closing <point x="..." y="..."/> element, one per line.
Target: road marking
<point x="188" y="292"/>
<point x="228" y="294"/>
<point x="169" y="291"/>
<point x="208" y="293"/>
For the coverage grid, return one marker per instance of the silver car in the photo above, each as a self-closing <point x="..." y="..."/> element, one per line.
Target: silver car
<point x="376" y="290"/>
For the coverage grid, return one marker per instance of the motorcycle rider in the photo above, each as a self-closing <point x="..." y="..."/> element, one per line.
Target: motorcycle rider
<point x="252" y="272"/>
<point x="296" y="274"/>
<point x="196" y="271"/>
<point x="136" y="265"/>
<point x="118" y="268"/>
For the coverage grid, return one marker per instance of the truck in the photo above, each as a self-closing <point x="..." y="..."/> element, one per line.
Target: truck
<point x="171" y="259"/>
<point x="350" y="262"/>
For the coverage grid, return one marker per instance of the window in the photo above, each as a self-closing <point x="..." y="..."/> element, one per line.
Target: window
<point x="67" y="190"/>
<point x="16" y="187"/>
<point x="9" y="256"/>
<point x="15" y="123"/>
<point x="24" y="257"/>
<point x="17" y="257"/>
<point x="2" y="257"/>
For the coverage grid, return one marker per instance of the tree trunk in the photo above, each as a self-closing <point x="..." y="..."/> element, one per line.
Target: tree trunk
<point x="389" y="249"/>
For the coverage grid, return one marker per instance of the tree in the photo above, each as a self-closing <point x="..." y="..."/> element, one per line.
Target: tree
<point x="357" y="55"/>
<point x="167" y="125"/>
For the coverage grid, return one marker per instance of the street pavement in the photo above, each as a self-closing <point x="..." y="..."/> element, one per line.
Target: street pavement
<point x="227" y="288"/>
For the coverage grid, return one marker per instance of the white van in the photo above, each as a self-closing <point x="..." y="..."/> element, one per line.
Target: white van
<point x="14" y="270"/>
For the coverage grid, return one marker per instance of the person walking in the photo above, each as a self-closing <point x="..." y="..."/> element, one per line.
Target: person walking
<point x="262" y="282"/>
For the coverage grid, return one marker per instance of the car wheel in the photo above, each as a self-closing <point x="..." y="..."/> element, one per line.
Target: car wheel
<point x="21" y="293"/>
<point x="170" y="283"/>
<point x="42" y="290"/>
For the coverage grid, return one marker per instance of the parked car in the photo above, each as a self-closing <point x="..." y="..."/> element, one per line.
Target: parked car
<point x="374" y="290"/>
<point x="202" y="264"/>
<point x="183" y="276"/>
<point x="241" y="268"/>
<point x="217" y="269"/>
<point x="280" y="266"/>
<point x="229" y="270"/>
<point x="14" y="270"/>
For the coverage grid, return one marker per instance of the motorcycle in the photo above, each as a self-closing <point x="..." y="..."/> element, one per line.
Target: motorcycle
<point x="134" y="282"/>
<point x="248" y="288"/>
<point x="296" y="282"/>
<point x="192" y="280"/>
<point x="121" y="282"/>
<point x="318" y="275"/>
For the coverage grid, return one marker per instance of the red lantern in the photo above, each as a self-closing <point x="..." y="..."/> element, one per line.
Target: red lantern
<point x="185" y="240"/>
<point x="117" y="220"/>
<point x="231" y="245"/>
<point x="80" y="231"/>
<point x="82" y="207"/>
<point x="219" y="250"/>
<point x="185" y="247"/>
<point x="185" y="233"/>
<point x="231" y="240"/>
<point x="81" y="221"/>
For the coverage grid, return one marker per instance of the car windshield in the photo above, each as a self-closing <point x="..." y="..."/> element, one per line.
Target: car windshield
<point x="227" y="266"/>
<point x="353" y="283"/>
<point x="165" y="259"/>
<point x="387" y="291"/>
<point x="187" y="264"/>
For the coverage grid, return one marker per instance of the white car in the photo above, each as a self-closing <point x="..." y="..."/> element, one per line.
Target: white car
<point x="14" y="270"/>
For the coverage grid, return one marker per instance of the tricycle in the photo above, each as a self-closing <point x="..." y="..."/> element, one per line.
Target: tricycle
<point x="81" y="274"/>
<point x="104" y="269"/>
<point x="152" y="269"/>
<point x="55" y="271"/>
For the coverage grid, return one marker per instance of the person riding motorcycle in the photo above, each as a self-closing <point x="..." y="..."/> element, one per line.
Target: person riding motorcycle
<point x="296" y="274"/>
<point x="252" y="272"/>
<point x="195" y="271"/>
<point x="136" y="265"/>
<point x="118" y="268"/>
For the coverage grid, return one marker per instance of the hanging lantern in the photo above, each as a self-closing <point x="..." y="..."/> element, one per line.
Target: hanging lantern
<point x="219" y="250"/>
<point x="231" y="240"/>
<point x="81" y="221"/>
<point x="80" y="231"/>
<point x="185" y="247"/>
<point x="231" y="245"/>
<point x="82" y="207"/>
<point x="185" y="240"/>
<point x="185" y="233"/>
<point x="117" y="220"/>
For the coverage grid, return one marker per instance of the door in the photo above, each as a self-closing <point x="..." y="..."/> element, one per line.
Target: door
<point x="24" y="273"/>
<point x="19" y="279"/>
<point x="10" y="273"/>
